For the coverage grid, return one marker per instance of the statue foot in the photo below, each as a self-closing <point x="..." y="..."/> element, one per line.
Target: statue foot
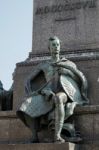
<point x="34" y="141"/>
<point x="59" y="140"/>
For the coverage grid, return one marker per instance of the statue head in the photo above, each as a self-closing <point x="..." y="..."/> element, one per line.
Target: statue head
<point x="54" y="45"/>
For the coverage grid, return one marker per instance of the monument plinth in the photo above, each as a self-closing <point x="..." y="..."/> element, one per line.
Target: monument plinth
<point x="76" y="23"/>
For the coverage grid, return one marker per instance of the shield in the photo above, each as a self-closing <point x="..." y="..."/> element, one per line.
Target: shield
<point x="34" y="106"/>
<point x="71" y="88"/>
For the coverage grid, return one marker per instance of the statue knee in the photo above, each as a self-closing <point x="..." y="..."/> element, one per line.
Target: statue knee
<point x="61" y="97"/>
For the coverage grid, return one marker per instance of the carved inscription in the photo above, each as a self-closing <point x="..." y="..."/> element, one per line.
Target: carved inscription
<point x="66" y="7"/>
<point x="65" y="19"/>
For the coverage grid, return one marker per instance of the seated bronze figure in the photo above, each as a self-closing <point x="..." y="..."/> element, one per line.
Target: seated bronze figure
<point x="54" y="88"/>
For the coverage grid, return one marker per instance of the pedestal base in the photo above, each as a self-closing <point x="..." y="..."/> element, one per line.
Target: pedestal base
<point x="65" y="146"/>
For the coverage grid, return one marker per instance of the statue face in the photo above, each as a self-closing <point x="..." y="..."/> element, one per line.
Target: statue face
<point x="54" y="46"/>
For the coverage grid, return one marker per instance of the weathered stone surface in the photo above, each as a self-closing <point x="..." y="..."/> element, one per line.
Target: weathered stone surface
<point x="96" y="126"/>
<point x="76" y="23"/>
<point x="91" y="71"/>
<point x="20" y="77"/>
<point x="90" y="146"/>
<point x="66" y="146"/>
<point x="12" y="129"/>
<point x="86" y="121"/>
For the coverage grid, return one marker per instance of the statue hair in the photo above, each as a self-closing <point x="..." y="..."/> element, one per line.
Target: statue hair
<point x="52" y="39"/>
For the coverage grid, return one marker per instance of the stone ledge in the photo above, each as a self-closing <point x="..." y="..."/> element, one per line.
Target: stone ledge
<point x="89" y="109"/>
<point x="34" y="59"/>
<point x="65" y="146"/>
<point x="7" y="114"/>
<point x="78" y="51"/>
<point x="90" y="146"/>
<point x="51" y="146"/>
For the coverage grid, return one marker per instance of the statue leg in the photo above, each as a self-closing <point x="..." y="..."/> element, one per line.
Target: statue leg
<point x="32" y="124"/>
<point x="60" y="99"/>
<point x="33" y="128"/>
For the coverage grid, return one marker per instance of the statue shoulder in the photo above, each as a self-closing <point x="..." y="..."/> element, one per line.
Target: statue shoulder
<point x="41" y="65"/>
<point x="68" y="62"/>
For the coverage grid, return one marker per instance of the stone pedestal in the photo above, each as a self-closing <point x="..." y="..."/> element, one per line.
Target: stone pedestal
<point x="76" y="23"/>
<point x="51" y="146"/>
<point x="13" y="131"/>
<point x="66" y="146"/>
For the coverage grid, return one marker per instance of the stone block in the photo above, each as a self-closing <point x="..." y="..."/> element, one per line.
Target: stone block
<point x="91" y="70"/>
<point x="82" y="124"/>
<point x="20" y="77"/>
<point x="66" y="146"/>
<point x="4" y="129"/>
<point x="12" y="129"/>
<point x="18" y="131"/>
<point x="86" y="122"/>
<point x="89" y="146"/>
<point x="74" y="22"/>
<point x="96" y="127"/>
<point x="44" y="146"/>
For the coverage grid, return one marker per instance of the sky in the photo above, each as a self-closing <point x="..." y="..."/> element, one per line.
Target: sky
<point x="16" y="17"/>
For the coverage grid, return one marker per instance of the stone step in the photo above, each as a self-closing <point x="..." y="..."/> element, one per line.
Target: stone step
<point x="93" y="145"/>
<point x="43" y="146"/>
<point x="50" y="146"/>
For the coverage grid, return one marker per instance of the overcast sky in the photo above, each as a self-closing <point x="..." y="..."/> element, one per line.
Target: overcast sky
<point x="15" y="36"/>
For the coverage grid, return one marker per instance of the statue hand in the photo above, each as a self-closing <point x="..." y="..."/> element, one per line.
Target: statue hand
<point x="52" y="94"/>
<point x="47" y="93"/>
<point x="35" y="93"/>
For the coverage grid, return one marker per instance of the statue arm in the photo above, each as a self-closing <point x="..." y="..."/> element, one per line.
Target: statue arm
<point x="47" y="92"/>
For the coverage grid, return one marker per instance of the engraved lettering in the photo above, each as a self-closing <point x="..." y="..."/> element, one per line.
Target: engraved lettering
<point x="85" y="4"/>
<point x="39" y="11"/>
<point x="78" y="5"/>
<point x="66" y="7"/>
<point x="60" y="8"/>
<point x="46" y="9"/>
<point x="54" y="8"/>
<point x="72" y="6"/>
<point x="93" y="4"/>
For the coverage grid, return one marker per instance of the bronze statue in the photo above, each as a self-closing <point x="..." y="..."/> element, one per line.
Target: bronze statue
<point x="6" y="98"/>
<point x="54" y="88"/>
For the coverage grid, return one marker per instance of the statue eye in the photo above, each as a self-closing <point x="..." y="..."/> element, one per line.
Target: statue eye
<point x="54" y="44"/>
